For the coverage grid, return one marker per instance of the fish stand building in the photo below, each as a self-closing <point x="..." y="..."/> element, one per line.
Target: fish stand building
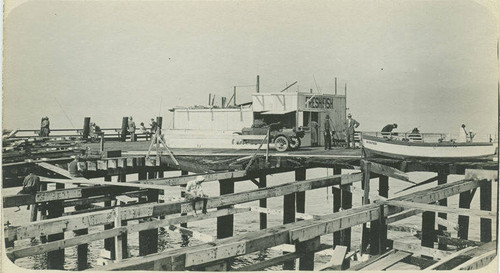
<point x="293" y="110"/>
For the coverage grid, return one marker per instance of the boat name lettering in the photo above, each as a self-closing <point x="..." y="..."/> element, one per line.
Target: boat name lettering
<point x="371" y="142"/>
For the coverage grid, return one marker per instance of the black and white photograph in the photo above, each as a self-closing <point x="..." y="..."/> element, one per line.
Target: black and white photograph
<point x="211" y="135"/>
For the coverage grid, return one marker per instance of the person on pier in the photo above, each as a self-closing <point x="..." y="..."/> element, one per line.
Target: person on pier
<point x="350" y="125"/>
<point x="153" y="125"/>
<point x="194" y="193"/>
<point x="387" y="130"/>
<point x="328" y="135"/>
<point x="131" y="128"/>
<point x="31" y="185"/>
<point x="314" y="133"/>
<point x="45" y="127"/>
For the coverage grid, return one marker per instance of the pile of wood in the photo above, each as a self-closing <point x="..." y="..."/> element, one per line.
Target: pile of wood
<point x="18" y="150"/>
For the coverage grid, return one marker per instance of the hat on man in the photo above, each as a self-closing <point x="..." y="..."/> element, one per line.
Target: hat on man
<point x="200" y="179"/>
<point x="349" y="115"/>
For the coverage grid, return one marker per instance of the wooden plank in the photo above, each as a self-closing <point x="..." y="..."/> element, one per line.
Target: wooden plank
<point x="387" y="261"/>
<point x="336" y="261"/>
<point x="192" y="234"/>
<point x="436" y="208"/>
<point x="421" y="250"/>
<point x="55" y="169"/>
<point x="402" y="215"/>
<point x="478" y="262"/>
<point x="17" y="253"/>
<point x="270" y="237"/>
<point x="460" y="243"/>
<point x="389" y="171"/>
<point x="448" y="258"/>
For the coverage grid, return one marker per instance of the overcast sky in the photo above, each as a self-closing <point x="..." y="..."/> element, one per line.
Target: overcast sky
<point x="417" y="63"/>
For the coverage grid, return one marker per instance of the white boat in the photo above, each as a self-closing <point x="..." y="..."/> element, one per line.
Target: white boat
<point x="423" y="146"/>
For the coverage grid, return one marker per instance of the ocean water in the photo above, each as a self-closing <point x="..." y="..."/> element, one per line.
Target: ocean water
<point x="318" y="202"/>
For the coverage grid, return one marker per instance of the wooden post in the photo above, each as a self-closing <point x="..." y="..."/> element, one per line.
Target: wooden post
<point x="442" y="179"/>
<point x="123" y="133"/>
<point x="463" y="221"/>
<point x="428" y="231"/>
<point x="109" y="243"/>
<point x="148" y="239"/>
<point x="383" y="190"/>
<point x="185" y="238"/>
<point x="365" y="184"/>
<point x="234" y="96"/>
<point x="118" y="239"/>
<point x="81" y="250"/>
<point x="225" y="223"/>
<point x="263" y="202"/>
<point x="124" y="238"/>
<point x="345" y="235"/>
<point x="86" y="128"/>
<point x="307" y="247"/>
<point x="485" y="200"/>
<point x="102" y="143"/>
<point x="43" y="212"/>
<point x="55" y="209"/>
<point x="258" y="84"/>
<point x="300" y="199"/>
<point x="337" y="203"/>
<point x="289" y="217"/>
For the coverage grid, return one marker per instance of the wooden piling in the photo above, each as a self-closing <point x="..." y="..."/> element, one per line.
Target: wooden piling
<point x="300" y="197"/>
<point x="365" y="184"/>
<point x="428" y="231"/>
<point x="109" y="243"/>
<point x="442" y="179"/>
<point x="263" y="202"/>
<point x="378" y="229"/>
<point x="55" y="209"/>
<point x="225" y="223"/>
<point x="485" y="201"/>
<point x="345" y="235"/>
<point x="123" y="133"/>
<point x="81" y="250"/>
<point x="307" y="248"/>
<point x="124" y="237"/>
<point x="289" y="217"/>
<point x="86" y="128"/>
<point x="337" y="203"/>
<point x="185" y="238"/>
<point x="463" y="220"/>
<point x="148" y="239"/>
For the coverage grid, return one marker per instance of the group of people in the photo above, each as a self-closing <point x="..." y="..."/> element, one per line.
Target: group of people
<point x="328" y="131"/>
<point x="131" y="128"/>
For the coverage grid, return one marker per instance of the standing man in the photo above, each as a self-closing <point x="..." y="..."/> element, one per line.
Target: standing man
<point x="314" y="133"/>
<point x="131" y="128"/>
<point x="31" y="185"/>
<point x="194" y="193"/>
<point x="328" y="135"/>
<point x="154" y="126"/>
<point x="45" y="127"/>
<point x="350" y="125"/>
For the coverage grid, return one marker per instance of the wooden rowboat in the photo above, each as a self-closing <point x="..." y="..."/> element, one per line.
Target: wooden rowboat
<point x="415" y="146"/>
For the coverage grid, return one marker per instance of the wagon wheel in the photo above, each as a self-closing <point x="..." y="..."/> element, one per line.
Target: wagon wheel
<point x="294" y="143"/>
<point x="281" y="143"/>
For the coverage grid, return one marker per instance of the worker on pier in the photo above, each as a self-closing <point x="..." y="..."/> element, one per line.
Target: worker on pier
<point x="154" y="126"/>
<point x="328" y="135"/>
<point x="314" y="133"/>
<point x="194" y="193"/>
<point x="73" y="167"/>
<point x="350" y="125"/>
<point x="31" y="185"/>
<point x="45" y="127"/>
<point x="387" y="130"/>
<point x="131" y="128"/>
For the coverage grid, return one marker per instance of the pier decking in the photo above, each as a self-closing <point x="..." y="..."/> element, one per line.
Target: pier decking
<point x="140" y="199"/>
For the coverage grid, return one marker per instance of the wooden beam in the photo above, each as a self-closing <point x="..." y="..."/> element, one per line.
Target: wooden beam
<point x="55" y="169"/>
<point x="17" y="253"/>
<point x="389" y="171"/>
<point x="478" y="262"/>
<point x="448" y="258"/>
<point x="293" y="232"/>
<point x="460" y="243"/>
<point x="336" y="261"/>
<point x="402" y="215"/>
<point x="437" y="208"/>
<point x="421" y="250"/>
<point x="386" y="261"/>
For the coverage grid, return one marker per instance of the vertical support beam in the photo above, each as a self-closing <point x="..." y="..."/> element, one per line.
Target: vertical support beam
<point x="148" y="239"/>
<point x="263" y="202"/>
<point x="300" y="197"/>
<point x="118" y="239"/>
<point x="43" y="212"/>
<point x="258" y="84"/>
<point x="307" y="261"/>
<point x="337" y="203"/>
<point x="124" y="238"/>
<point x="428" y="231"/>
<point x="123" y="133"/>
<point x="365" y="184"/>
<point x="289" y="217"/>
<point x="463" y="221"/>
<point x="55" y="259"/>
<point x="225" y="223"/>
<point x="485" y="200"/>
<point x="383" y="190"/>
<point x="442" y="179"/>
<point x="185" y="238"/>
<point x="234" y="96"/>
<point x="345" y="235"/>
<point x="109" y="243"/>
<point x="81" y="250"/>
<point x="86" y="128"/>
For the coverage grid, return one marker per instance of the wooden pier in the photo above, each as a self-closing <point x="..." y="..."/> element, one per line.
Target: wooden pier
<point x="300" y="234"/>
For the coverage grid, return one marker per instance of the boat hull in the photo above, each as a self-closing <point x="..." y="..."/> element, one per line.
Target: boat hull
<point x="383" y="147"/>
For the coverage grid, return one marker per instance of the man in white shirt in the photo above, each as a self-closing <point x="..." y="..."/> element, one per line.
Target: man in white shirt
<point x="194" y="193"/>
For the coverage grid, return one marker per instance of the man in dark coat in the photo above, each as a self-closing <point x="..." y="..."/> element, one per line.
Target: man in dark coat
<point x="327" y="132"/>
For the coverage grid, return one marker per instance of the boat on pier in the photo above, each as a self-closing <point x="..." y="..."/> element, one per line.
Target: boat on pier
<point x="423" y="146"/>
